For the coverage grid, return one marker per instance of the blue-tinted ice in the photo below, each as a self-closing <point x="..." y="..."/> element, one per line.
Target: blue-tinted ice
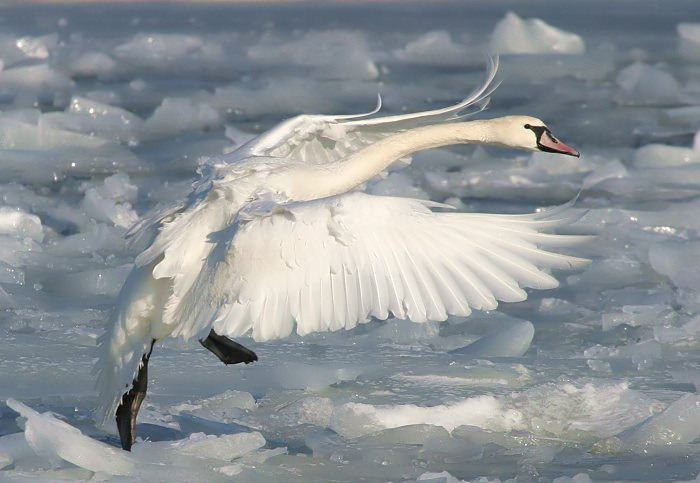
<point x="106" y="110"/>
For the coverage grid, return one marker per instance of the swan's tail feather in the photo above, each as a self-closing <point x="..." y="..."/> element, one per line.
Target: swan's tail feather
<point x="117" y="365"/>
<point x="121" y="348"/>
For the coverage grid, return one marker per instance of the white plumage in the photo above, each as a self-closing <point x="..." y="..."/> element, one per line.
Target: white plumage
<point x="331" y="263"/>
<point x="274" y="238"/>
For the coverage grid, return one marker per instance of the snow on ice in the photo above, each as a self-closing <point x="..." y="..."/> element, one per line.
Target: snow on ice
<point x="105" y="112"/>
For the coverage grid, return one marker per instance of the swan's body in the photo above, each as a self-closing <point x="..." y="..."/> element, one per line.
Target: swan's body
<point x="273" y="239"/>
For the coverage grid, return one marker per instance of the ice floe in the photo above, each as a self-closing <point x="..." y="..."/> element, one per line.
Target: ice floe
<point x="515" y="35"/>
<point x="105" y="114"/>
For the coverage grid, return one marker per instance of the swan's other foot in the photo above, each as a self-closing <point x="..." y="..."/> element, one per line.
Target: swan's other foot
<point x="228" y="351"/>
<point x="131" y="403"/>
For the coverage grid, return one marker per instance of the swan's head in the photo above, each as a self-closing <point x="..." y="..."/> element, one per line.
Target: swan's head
<point x="528" y="132"/>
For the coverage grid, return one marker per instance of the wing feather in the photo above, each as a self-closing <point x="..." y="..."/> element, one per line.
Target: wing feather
<point x="330" y="264"/>
<point x="433" y="307"/>
<point x="413" y="303"/>
<point x="452" y="297"/>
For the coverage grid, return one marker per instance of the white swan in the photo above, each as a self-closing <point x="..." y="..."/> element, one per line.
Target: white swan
<point x="274" y="238"/>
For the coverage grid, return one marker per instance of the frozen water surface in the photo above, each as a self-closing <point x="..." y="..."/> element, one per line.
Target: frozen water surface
<point x="105" y="110"/>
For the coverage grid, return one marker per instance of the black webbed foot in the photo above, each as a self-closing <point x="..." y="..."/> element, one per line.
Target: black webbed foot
<point x="228" y="351"/>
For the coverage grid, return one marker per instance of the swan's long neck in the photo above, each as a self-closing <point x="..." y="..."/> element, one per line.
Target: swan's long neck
<point x="327" y="180"/>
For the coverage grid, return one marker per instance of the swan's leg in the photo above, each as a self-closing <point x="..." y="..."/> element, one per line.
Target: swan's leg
<point x="228" y="351"/>
<point x="131" y="402"/>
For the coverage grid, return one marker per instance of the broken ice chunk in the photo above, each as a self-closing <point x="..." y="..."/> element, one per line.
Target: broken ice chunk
<point x="53" y="438"/>
<point x="678" y="423"/>
<point x="511" y="340"/>
<point x="644" y="84"/>
<point x="514" y="35"/>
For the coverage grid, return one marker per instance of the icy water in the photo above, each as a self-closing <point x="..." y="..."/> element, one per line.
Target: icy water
<point x="106" y="110"/>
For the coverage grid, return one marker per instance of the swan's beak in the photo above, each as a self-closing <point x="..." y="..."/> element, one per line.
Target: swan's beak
<point x="547" y="142"/>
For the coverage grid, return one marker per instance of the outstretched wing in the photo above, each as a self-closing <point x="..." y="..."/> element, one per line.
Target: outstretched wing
<point x="332" y="263"/>
<point x="321" y="139"/>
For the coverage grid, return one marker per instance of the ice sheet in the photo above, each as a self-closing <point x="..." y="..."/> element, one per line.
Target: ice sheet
<point x="105" y="113"/>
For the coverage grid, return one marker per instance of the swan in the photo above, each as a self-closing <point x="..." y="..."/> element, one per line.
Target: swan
<point x="277" y="237"/>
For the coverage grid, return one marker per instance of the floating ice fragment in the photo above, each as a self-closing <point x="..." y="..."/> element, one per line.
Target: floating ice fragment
<point x="679" y="336"/>
<point x="191" y="422"/>
<point x="112" y="201"/>
<point x="433" y="48"/>
<point x="24" y="115"/>
<point x="179" y="114"/>
<point x="250" y="461"/>
<point x="637" y="315"/>
<point x="15" y="134"/>
<point x="225" y="447"/>
<point x="102" y="209"/>
<point x="686" y="117"/>
<point x="96" y="119"/>
<point x="662" y="155"/>
<point x="100" y="281"/>
<point x="485" y="374"/>
<point x="618" y="270"/>
<point x="53" y="438"/>
<point x="14" y="447"/>
<point x="42" y="154"/>
<point x="577" y="478"/>
<point x="119" y="188"/>
<point x="690" y="377"/>
<point x="37" y="47"/>
<point x="28" y="84"/>
<point x="611" y="170"/>
<point x="644" y="84"/>
<point x="511" y="340"/>
<point x="678" y="423"/>
<point x="689" y="32"/>
<point x="6" y="300"/>
<point x="229" y="400"/>
<point x="556" y="306"/>
<point x="94" y="238"/>
<point x="410" y="434"/>
<point x="673" y="259"/>
<point x="155" y="47"/>
<point x="442" y="477"/>
<point x="406" y="332"/>
<point x="20" y="224"/>
<point x="306" y="376"/>
<point x="93" y="63"/>
<point x="446" y="446"/>
<point x="639" y="353"/>
<point x="14" y="252"/>
<point x="9" y="52"/>
<point x="307" y="410"/>
<point x="398" y="184"/>
<point x="582" y="412"/>
<point x="356" y="419"/>
<point x="599" y="366"/>
<point x="689" y="39"/>
<point x="514" y="35"/>
<point x="553" y="166"/>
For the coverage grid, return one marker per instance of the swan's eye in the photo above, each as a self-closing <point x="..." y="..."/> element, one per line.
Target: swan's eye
<point x="527" y="126"/>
